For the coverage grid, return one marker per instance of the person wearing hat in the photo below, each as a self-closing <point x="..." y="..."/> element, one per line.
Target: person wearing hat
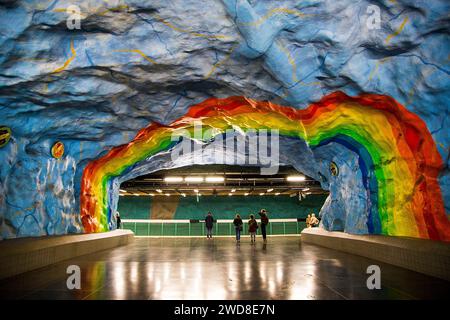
<point x="264" y="222"/>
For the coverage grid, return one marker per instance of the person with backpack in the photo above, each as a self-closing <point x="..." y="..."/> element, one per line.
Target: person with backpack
<point x="238" y="227"/>
<point x="252" y="227"/>
<point x="264" y="222"/>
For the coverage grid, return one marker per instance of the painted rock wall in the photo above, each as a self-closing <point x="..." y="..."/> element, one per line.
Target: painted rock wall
<point x="132" y="63"/>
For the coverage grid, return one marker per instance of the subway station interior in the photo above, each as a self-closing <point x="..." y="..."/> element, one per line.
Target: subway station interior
<point x="224" y="150"/>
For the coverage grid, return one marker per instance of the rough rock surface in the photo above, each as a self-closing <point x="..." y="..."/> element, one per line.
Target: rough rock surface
<point x="134" y="62"/>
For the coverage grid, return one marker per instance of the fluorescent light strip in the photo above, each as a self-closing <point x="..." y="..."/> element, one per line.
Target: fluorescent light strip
<point x="193" y="179"/>
<point x="295" y="178"/>
<point x="215" y="179"/>
<point x="173" y="179"/>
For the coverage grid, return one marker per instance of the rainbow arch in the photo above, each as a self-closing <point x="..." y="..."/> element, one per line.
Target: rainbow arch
<point x="398" y="157"/>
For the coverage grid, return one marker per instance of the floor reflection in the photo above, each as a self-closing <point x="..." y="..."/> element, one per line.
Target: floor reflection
<point x="201" y="269"/>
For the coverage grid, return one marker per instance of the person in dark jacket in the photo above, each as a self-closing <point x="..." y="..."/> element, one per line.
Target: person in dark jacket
<point x="238" y="227"/>
<point x="209" y="223"/>
<point x="252" y="227"/>
<point x="118" y="220"/>
<point x="264" y="222"/>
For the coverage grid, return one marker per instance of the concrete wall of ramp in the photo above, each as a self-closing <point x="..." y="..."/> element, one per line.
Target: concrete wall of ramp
<point x="425" y="256"/>
<point x="26" y="254"/>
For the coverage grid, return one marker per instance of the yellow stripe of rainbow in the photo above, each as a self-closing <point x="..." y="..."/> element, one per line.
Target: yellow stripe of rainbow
<point x="401" y="156"/>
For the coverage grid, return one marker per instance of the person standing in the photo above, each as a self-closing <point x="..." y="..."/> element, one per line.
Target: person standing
<point x="209" y="223"/>
<point x="314" y="221"/>
<point x="252" y="227"/>
<point x="264" y="223"/>
<point x="308" y="221"/>
<point x="238" y="227"/>
<point x="118" y="220"/>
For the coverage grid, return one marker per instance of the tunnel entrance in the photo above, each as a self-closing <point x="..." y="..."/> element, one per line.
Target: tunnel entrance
<point x="175" y="202"/>
<point x="382" y="174"/>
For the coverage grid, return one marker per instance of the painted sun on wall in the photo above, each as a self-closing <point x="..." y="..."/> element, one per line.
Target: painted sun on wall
<point x="397" y="155"/>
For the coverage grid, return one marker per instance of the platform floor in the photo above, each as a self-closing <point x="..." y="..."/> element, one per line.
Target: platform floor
<point x="197" y="268"/>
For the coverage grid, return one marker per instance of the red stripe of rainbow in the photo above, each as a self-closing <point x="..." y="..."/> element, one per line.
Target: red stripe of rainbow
<point x="404" y="160"/>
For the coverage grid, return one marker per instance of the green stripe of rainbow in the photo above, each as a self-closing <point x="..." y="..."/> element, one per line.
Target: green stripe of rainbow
<point x="404" y="158"/>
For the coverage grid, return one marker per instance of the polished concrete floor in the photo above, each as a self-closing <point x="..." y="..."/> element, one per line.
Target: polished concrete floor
<point x="197" y="268"/>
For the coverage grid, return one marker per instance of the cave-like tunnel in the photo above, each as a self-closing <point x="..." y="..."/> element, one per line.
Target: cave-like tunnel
<point x="123" y="123"/>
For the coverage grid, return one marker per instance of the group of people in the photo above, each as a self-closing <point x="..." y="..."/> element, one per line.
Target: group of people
<point x="311" y="221"/>
<point x="238" y="225"/>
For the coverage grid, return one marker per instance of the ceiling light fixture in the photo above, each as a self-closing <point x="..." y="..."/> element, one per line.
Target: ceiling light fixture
<point x="277" y="193"/>
<point x="270" y="190"/>
<point x="215" y="179"/>
<point x="246" y="194"/>
<point x="305" y="189"/>
<point x="159" y="190"/>
<point x="261" y="194"/>
<point x="193" y="179"/>
<point x="233" y="190"/>
<point x="295" y="178"/>
<point x="173" y="179"/>
<point x="196" y="190"/>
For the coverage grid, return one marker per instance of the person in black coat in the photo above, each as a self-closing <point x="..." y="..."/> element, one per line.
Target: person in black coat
<point x="209" y="223"/>
<point x="238" y="227"/>
<point x="118" y="220"/>
<point x="264" y="222"/>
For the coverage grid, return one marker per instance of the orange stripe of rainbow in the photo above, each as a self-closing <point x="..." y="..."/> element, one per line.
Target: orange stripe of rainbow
<point x="404" y="160"/>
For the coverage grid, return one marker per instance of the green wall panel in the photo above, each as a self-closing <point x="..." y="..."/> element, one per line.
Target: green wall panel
<point x="279" y="207"/>
<point x="226" y="207"/>
<point x="134" y="207"/>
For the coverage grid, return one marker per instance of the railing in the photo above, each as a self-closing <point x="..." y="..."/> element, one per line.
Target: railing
<point x="186" y="228"/>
